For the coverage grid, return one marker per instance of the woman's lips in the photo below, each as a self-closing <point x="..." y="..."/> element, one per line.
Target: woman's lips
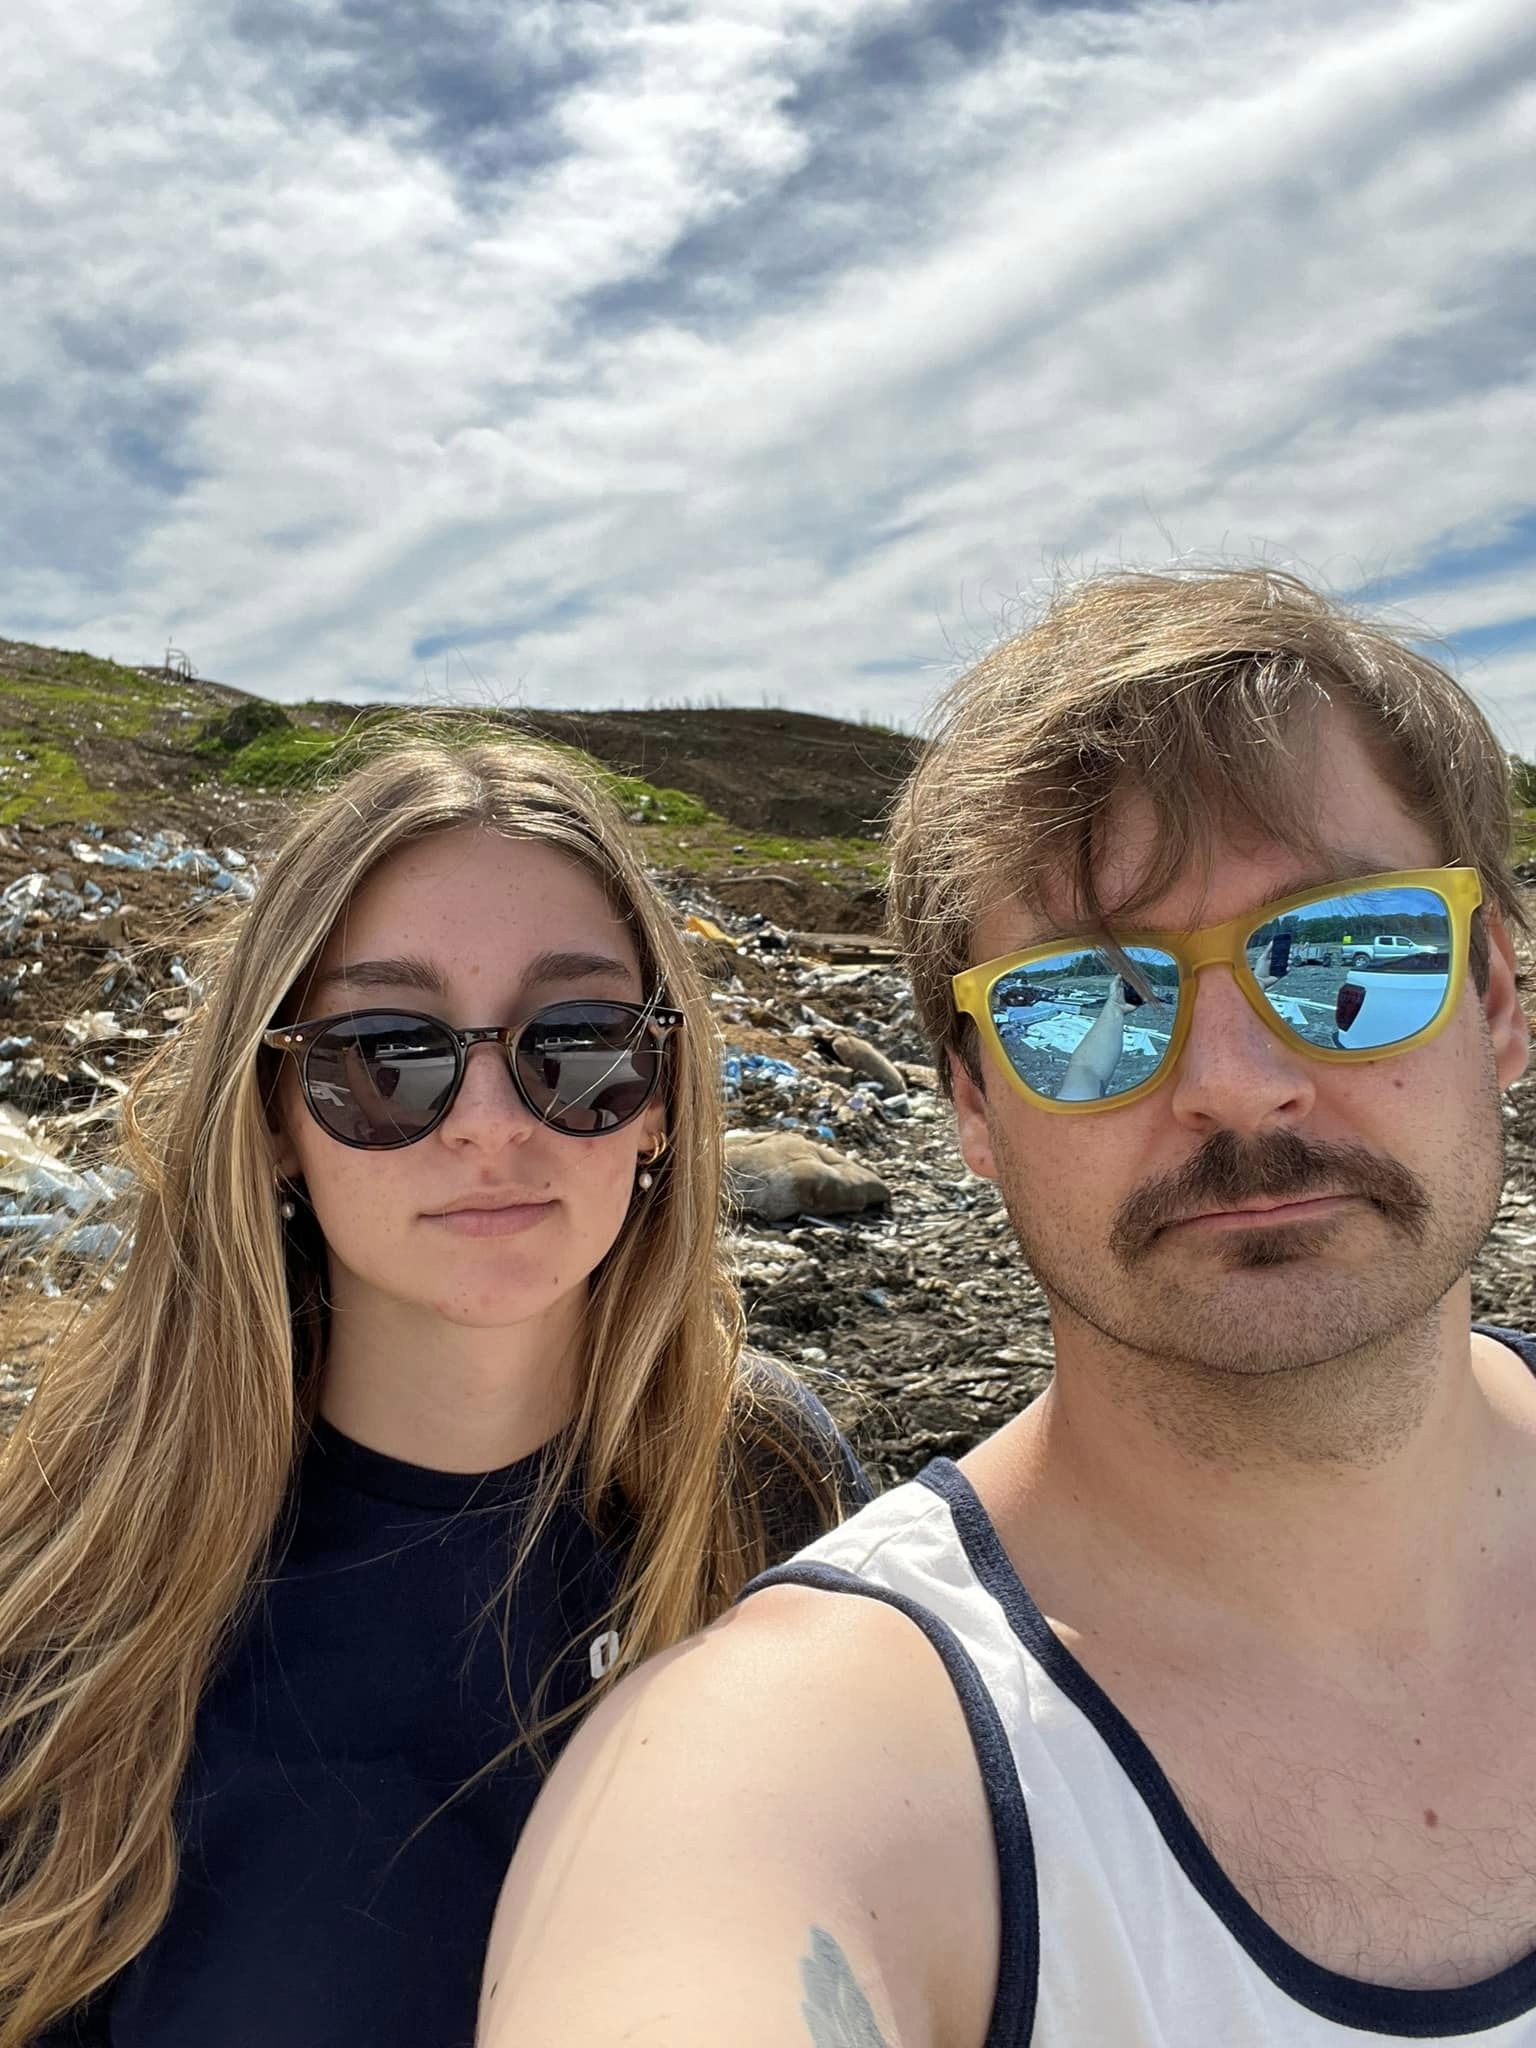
<point x="507" y="1220"/>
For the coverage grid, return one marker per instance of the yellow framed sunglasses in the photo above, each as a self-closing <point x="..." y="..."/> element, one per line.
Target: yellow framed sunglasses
<point x="1352" y="970"/>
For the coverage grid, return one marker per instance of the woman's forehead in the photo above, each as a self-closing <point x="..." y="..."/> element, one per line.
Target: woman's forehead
<point x="479" y="895"/>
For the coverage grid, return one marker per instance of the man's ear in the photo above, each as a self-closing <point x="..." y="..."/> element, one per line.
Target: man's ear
<point x="971" y="1119"/>
<point x="1508" y="1025"/>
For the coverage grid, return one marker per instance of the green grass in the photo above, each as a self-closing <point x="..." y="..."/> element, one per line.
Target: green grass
<point x="43" y="782"/>
<point x="293" y="757"/>
<point x="645" y="804"/>
<point x="719" y="847"/>
<point x="113" y="701"/>
<point x="289" y="759"/>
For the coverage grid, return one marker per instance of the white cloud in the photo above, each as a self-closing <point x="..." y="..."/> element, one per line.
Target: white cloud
<point x="1505" y="686"/>
<point x="784" y="357"/>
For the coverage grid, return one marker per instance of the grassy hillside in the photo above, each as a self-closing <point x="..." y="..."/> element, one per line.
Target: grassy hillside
<point x="82" y="738"/>
<point x="86" y="739"/>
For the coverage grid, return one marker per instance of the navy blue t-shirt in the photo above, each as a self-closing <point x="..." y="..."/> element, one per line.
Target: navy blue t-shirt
<point x="324" y="1899"/>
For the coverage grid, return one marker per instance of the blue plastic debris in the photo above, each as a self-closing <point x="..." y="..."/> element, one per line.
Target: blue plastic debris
<point x="88" y="1240"/>
<point x="166" y="852"/>
<point x="736" y="1066"/>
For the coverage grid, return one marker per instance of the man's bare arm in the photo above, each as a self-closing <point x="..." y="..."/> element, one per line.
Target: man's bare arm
<point x="775" y="1836"/>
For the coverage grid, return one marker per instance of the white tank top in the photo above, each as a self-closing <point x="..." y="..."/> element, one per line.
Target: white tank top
<point x="1120" y="1929"/>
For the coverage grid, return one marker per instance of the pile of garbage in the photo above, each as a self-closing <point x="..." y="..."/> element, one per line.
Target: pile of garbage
<point x="80" y="1004"/>
<point x="42" y="1199"/>
<point x="870" y="1257"/>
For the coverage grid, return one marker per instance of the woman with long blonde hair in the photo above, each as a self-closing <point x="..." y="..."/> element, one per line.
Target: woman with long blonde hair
<point x="419" y="1412"/>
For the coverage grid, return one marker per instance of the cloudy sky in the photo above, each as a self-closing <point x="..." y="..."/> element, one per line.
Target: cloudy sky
<point x="616" y="351"/>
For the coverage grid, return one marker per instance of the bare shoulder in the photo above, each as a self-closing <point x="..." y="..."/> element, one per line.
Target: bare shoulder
<point x="787" y="1804"/>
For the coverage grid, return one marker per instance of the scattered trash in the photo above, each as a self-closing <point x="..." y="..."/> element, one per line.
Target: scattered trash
<point x="93" y="1029"/>
<point x="860" y="1057"/>
<point x="29" y="1170"/>
<point x="170" y="852"/>
<point x="86" y="1240"/>
<point x="59" y="1084"/>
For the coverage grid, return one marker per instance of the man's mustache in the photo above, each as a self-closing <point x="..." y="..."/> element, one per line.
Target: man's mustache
<point x="1228" y="1172"/>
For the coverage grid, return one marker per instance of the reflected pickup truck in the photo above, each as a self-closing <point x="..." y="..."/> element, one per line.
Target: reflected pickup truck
<point x="1389" y="1001"/>
<point x="1359" y="953"/>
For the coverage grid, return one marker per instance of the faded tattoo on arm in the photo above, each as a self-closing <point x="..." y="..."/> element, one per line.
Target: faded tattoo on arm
<point x="834" y="2009"/>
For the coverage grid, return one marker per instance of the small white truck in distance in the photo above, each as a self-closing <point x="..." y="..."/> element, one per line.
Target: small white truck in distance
<point x="1359" y="953"/>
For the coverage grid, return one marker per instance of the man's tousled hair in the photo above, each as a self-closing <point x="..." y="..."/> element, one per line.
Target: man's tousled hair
<point x="1201" y="694"/>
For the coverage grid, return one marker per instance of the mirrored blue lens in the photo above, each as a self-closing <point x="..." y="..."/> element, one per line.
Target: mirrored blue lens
<point x="1358" y="972"/>
<point x="1075" y="1029"/>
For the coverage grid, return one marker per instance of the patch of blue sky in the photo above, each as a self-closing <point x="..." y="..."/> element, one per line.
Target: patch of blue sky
<point x="74" y="509"/>
<point x="569" y="611"/>
<point x="411" y="571"/>
<point x="857" y="190"/>
<point x="477" y="83"/>
<point x="854" y="537"/>
<point x="120" y="347"/>
<point x="142" y="455"/>
<point x="894" y="665"/>
<point x="1383" y="903"/>
<point x="1509" y="637"/>
<point x="934" y="39"/>
<point x="94" y="456"/>
<point x="304" y="534"/>
<point x="1514" y="549"/>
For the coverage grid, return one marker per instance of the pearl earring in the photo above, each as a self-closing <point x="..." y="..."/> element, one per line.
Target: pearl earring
<point x="646" y="1179"/>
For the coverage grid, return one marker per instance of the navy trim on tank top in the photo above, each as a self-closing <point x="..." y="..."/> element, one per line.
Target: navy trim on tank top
<point x="1347" y="2001"/>
<point x="1018" y="1964"/>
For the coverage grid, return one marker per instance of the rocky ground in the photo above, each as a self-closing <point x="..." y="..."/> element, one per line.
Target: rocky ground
<point x="914" y="1315"/>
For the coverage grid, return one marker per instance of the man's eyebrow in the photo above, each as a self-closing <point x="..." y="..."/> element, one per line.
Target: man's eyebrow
<point x="1335" y="867"/>
<point x="1338" y="865"/>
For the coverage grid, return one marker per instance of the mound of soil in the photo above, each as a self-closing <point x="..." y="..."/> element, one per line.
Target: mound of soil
<point x="767" y="771"/>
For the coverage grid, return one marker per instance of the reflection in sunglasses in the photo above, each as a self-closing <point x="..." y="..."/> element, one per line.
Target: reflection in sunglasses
<point x="1351" y="972"/>
<point x="379" y="1078"/>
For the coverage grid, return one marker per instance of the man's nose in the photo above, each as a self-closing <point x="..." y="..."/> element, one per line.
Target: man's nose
<point x="1234" y="1073"/>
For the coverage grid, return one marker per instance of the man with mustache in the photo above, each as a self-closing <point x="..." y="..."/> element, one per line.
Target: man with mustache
<point x="1197" y="1707"/>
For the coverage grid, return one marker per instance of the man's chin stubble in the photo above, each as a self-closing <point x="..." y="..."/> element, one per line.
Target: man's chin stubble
<point x="1337" y="1369"/>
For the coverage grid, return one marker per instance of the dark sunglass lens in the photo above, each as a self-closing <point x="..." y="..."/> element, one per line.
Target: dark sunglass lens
<point x="1361" y="971"/>
<point x="378" y="1079"/>
<point x="1076" y="1029"/>
<point x="588" y="1066"/>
